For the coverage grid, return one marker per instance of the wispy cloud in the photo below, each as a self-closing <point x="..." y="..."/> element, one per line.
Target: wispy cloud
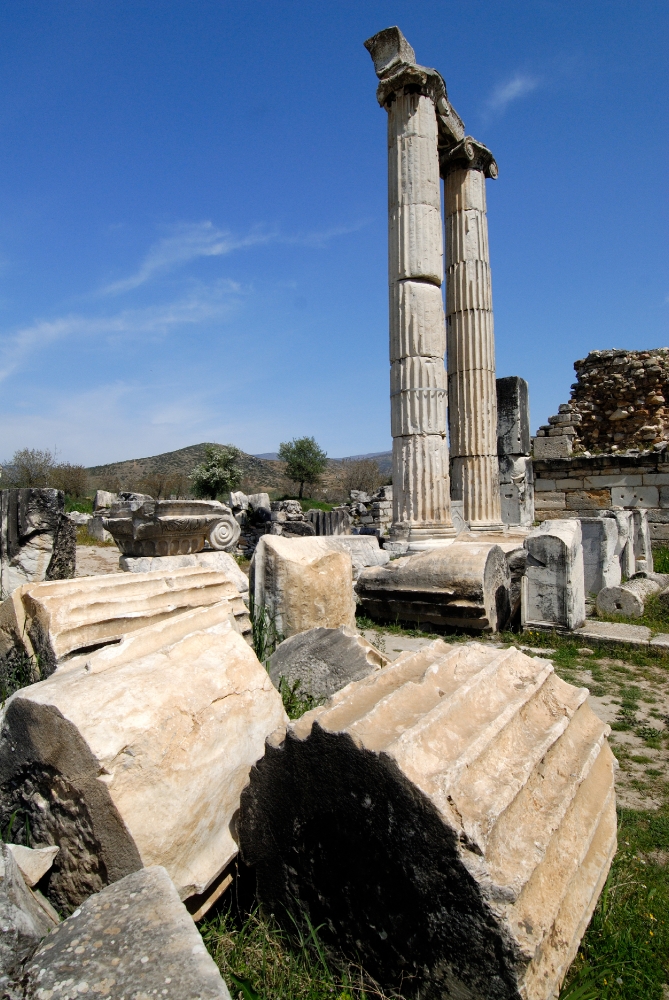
<point x="188" y="241"/>
<point x="511" y="90"/>
<point x="204" y="304"/>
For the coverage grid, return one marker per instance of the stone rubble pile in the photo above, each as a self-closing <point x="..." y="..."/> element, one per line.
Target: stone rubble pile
<point x="371" y="515"/>
<point x="618" y="403"/>
<point x="448" y="821"/>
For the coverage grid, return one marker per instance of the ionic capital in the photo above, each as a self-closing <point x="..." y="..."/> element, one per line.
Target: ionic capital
<point x="468" y="154"/>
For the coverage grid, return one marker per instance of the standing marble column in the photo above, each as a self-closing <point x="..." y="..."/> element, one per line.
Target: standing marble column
<point x="418" y="388"/>
<point x="470" y="337"/>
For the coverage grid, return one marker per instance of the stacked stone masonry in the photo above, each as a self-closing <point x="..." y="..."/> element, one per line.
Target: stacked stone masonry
<point x="617" y="402"/>
<point x="582" y="486"/>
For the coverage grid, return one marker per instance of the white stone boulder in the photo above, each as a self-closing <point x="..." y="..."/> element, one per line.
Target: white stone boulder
<point x="302" y="583"/>
<point x="447" y="821"/>
<point x="628" y="599"/>
<point x="33" y="863"/>
<point x="135" y="754"/>
<point x="324" y="660"/>
<point x="463" y="585"/>
<point x="553" y="586"/>
<point x="103" y="500"/>
<point x="50" y="622"/>
<point x="134" y="940"/>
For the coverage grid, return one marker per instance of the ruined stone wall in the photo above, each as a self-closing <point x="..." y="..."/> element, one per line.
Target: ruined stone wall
<point x="618" y="403"/>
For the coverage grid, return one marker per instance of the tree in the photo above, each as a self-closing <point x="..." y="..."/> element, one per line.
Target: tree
<point x="359" y="474"/>
<point x="305" y="461"/>
<point x="219" y="473"/>
<point x="29" y="467"/>
<point x="71" y="479"/>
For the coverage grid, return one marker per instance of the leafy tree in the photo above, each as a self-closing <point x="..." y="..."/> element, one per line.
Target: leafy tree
<point x="29" y="467"/>
<point x="71" y="479"/>
<point x="219" y="473"/>
<point x="305" y="461"/>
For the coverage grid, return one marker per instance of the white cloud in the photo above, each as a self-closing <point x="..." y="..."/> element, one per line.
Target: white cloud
<point x="190" y="240"/>
<point x="205" y="303"/>
<point x="187" y="241"/>
<point x="512" y="90"/>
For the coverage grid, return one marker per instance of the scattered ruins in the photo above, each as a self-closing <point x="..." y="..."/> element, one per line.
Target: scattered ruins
<point x="448" y="818"/>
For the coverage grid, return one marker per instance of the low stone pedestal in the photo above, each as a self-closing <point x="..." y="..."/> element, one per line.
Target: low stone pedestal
<point x="553" y="587"/>
<point x="463" y="585"/>
<point x="136" y="754"/>
<point x="448" y="822"/>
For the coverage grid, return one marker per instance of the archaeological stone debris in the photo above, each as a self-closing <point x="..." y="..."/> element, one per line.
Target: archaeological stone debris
<point x="554" y="583"/>
<point x="136" y="753"/>
<point x="323" y="660"/>
<point x="516" y="476"/>
<point x="147" y="527"/>
<point x="448" y="821"/>
<point x="37" y="539"/>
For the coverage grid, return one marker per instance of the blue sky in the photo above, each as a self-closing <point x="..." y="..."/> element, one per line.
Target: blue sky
<point x="193" y="210"/>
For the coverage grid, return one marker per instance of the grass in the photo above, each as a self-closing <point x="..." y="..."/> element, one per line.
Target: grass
<point x="84" y="505"/>
<point x="83" y="538"/>
<point x="259" y="962"/>
<point x="661" y="559"/>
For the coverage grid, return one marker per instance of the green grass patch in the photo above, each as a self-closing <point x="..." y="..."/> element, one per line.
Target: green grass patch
<point x="83" y="505"/>
<point x="260" y="962"/>
<point x="625" y="952"/>
<point x="661" y="559"/>
<point x="83" y="538"/>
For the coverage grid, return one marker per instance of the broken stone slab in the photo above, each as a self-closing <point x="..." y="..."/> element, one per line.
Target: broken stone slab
<point x="23" y="920"/>
<point x="49" y="622"/>
<point x="637" y="635"/>
<point x="37" y="539"/>
<point x="136" y="754"/>
<point x="134" y="939"/>
<point x="560" y="446"/>
<point x="601" y="562"/>
<point x="33" y="863"/>
<point x="627" y="599"/>
<point x="146" y="527"/>
<point x="219" y="562"/>
<point x="79" y="519"/>
<point x="465" y="584"/>
<point x="303" y="583"/>
<point x="448" y="821"/>
<point x="96" y="528"/>
<point x="553" y="590"/>
<point x="661" y="640"/>
<point x="324" y="660"/>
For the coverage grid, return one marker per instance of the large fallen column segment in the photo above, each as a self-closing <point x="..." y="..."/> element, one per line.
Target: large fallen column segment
<point x="449" y="821"/>
<point x="137" y="754"/>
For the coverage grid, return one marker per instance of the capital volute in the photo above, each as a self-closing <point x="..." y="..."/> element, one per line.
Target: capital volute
<point x="470" y="154"/>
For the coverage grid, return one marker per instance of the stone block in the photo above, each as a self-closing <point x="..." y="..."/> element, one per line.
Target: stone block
<point x="637" y="496"/>
<point x="37" y="539"/>
<point x="324" y="660"/>
<point x="552" y="447"/>
<point x="449" y="821"/>
<point x="51" y="622"/>
<point x="103" y="500"/>
<point x="661" y="640"/>
<point x="303" y="583"/>
<point x="136" y="754"/>
<point x="544" y="485"/>
<point x="513" y="416"/>
<point x="601" y="560"/>
<point x="657" y="515"/>
<point x="643" y="552"/>
<point x="571" y="483"/>
<point x="628" y="599"/>
<point x="550" y="501"/>
<point x="600" y="482"/>
<point x="97" y="530"/>
<point x="516" y="484"/>
<point x="259" y="502"/>
<point x="553" y="586"/>
<point x="664" y="496"/>
<point x="23" y="920"/>
<point x="659" y="532"/>
<point x="134" y="939"/>
<point x="589" y="500"/>
<point x="464" y="585"/>
<point x="218" y="562"/>
<point x="637" y="635"/>
<point x="656" y="479"/>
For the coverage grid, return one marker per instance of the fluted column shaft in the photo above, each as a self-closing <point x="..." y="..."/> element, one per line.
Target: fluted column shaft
<point x="472" y="396"/>
<point x="418" y="388"/>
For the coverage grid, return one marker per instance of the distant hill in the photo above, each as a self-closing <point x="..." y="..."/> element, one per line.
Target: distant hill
<point x="168" y="473"/>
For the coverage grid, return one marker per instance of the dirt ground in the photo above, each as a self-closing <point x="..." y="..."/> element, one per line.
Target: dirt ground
<point x="97" y="560"/>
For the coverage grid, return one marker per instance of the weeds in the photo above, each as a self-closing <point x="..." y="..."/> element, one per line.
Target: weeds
<point x="17" y="670"/>
<point x="264" y="633"/>
<point x="294" y="702"/>
<point x="260" y="961"/>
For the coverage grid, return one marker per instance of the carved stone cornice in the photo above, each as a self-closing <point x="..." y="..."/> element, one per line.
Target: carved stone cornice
<point x="470" y="154"/>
